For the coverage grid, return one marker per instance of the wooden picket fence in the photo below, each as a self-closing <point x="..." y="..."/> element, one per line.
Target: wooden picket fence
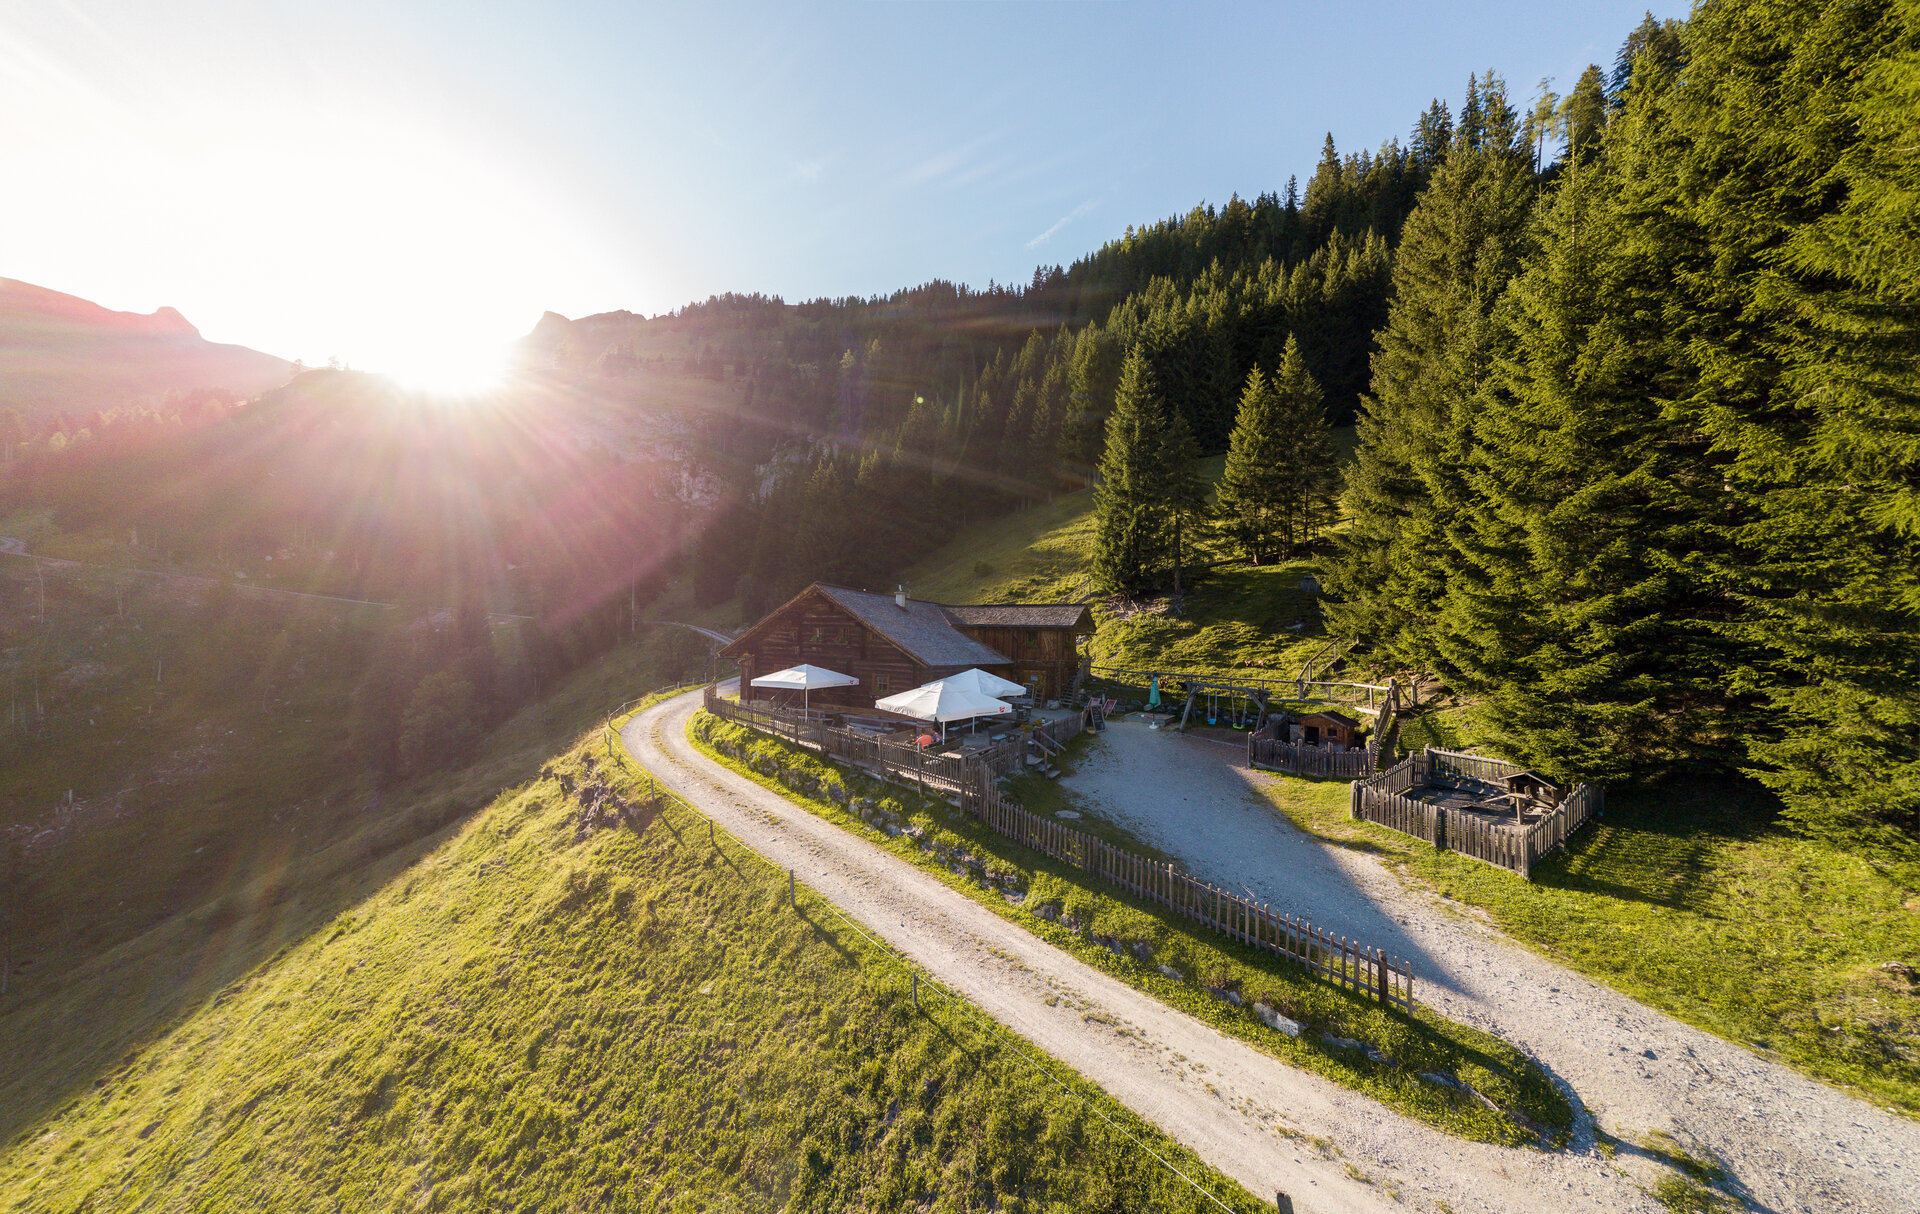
<point x="1404" y="814"/>
<point x="1275" y="755"/>
<point x="1266" y="749"/>
<point x="1582" y="805"/>
<point x="1382" y="799"/>
<point x="1346" y="963"/>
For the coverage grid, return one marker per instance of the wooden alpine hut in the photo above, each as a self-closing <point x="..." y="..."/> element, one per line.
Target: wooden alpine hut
<point x="892" y="643"/>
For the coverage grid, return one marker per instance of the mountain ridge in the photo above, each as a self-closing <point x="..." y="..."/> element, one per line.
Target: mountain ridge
<point x="63" y="353"/>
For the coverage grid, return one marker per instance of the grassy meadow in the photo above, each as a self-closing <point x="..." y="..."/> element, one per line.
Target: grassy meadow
<point x="523" y="1016"/>
<point x="1690" y="898"/>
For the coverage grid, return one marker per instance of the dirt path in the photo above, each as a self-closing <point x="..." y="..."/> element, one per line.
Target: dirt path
<point x="1246" y="1113"/>
<point x="1791" y="1143"/>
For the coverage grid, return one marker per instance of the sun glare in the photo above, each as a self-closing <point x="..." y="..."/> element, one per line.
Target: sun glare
<point x="451" y="365"/>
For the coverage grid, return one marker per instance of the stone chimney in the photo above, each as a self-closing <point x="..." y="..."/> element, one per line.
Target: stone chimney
<point x="900" y="597"/>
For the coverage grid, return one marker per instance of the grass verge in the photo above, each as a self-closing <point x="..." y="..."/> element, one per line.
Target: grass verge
<point x="536" y="1017"/>
<point x="1201" y="963"/>
<point x="1690" y="898"/>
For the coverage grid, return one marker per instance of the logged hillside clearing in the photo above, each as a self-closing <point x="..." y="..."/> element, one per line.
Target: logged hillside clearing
<point x="533" y="1015"/>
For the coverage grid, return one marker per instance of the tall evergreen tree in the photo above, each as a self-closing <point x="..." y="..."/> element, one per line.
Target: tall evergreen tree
<point x="1583" y="115"/>
<point x="1132" y="541"/>
<point x="1253" y="494"/>
<point x="1308" y="457"/>
<point x="1802" y="166"/>
<point x="1583" y="619"/>
<point x="1279" y="474"/>
<point x="1409" y="489"/>
<point x="1182" y="494"/>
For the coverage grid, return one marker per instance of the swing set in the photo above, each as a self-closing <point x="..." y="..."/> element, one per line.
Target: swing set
<point x="1236" y="706"/>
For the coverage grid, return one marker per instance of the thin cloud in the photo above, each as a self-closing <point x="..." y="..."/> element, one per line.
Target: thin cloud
<point x="1062" y="222"/>
<point x="945" y="164"/>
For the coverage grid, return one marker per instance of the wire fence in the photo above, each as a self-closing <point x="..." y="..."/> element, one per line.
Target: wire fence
<point x="924" y="983"/>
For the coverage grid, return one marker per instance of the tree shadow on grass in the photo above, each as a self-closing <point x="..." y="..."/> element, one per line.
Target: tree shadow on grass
<point x="1660" y="844"/>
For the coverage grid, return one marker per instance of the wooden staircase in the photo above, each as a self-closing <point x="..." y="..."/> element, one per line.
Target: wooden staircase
<point x="1041" y="752"/>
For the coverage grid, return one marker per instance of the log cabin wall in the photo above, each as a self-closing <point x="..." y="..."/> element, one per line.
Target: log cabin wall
<point x="816" y="631"/>
<point x="1049" y="655"/>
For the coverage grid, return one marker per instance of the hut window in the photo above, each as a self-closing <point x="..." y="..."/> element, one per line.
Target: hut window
<point x="882" y="683"/>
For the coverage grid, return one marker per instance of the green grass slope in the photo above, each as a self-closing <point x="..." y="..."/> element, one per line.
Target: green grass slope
<point x="1689" y="897"/>
<point x="1254" y="622"/>
<point x="120" y="924"/>
<point x="528" y="1017"/>
<point x="1416" y="1043"/>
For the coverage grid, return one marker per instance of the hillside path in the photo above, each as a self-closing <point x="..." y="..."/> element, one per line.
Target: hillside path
<point x="1248" y="1114"/>
<point x="1791" y="1143"/>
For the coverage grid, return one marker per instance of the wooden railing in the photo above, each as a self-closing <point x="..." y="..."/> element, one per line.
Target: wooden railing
<point x="1509" y="845"/>
<point x="943" y="773"/>
<point x="1582" y="805"/>
<point x="1300" y="760"/>
<point x="1346" y="963"/>
<point x="1456" y="767"/>
<point x="947" y="772"/>
<point x="1266" y="749"/>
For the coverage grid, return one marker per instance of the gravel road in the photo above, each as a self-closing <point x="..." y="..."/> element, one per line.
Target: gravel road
<point x="1248" y="1114"/>
<point x="1789" y="1142"/>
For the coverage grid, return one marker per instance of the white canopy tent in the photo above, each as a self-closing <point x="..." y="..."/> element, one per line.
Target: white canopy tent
<point x="943" y="702"/>
<point x="804" y="679"/>
<point x="986" y="684"/>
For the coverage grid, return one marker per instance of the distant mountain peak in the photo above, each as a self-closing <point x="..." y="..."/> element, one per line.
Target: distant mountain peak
<point x="169" y="320"/>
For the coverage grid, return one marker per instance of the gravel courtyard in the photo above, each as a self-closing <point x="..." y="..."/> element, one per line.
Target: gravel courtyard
<point x="1790" y="1143"/>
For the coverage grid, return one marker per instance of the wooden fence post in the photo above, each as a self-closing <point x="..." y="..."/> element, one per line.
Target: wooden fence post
<point x="1353" y="798"/>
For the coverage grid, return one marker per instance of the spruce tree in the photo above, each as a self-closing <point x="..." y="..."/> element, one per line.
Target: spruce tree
<point x="1182" y="495"/>
<point x="1410" y="489"/>
<point x="1307" y="457"/>
<point x="1132" y="539"/>
<point x="1802" y="166"/>
<point x="1577" y="615"/>
<point x="1279" y="478"/>
<point x="1583" y="116"/>
<point x="1253" y="495"/>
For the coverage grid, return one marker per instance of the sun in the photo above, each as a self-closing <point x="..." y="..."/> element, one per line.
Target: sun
<point x="448" y="364"/>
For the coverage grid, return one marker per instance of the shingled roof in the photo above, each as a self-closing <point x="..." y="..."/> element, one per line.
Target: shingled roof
<point x="1021" y="615"/>
<point x="921" y="629"/>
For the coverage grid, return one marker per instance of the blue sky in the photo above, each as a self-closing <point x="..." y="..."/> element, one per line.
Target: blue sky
<point x="387" y="182"/>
